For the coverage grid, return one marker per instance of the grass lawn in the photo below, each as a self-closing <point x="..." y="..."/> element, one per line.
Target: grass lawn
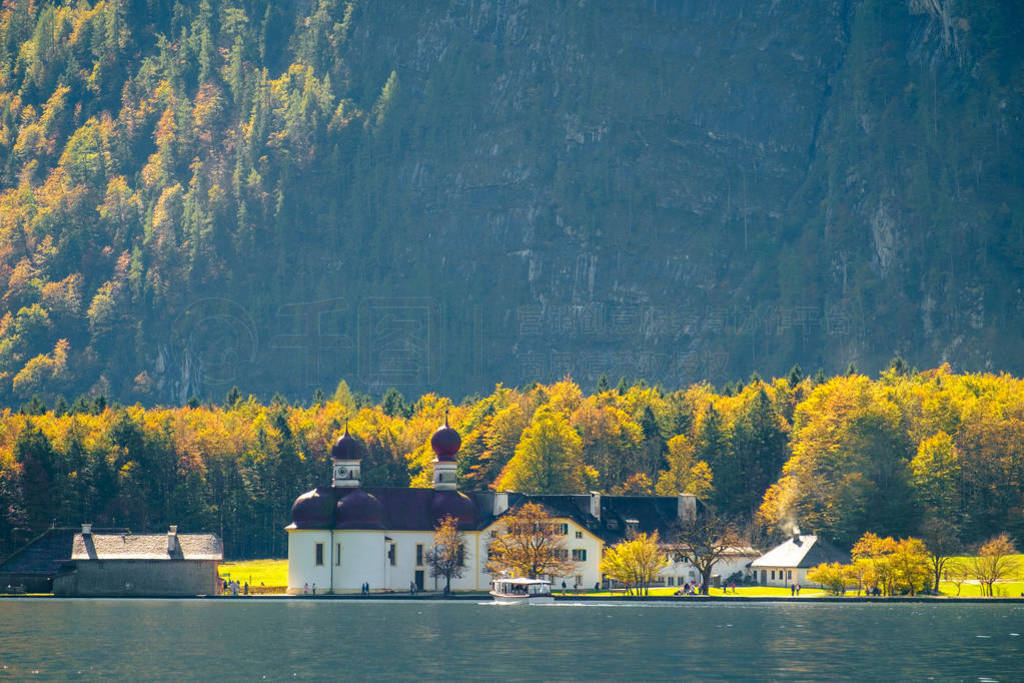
<point x="1002" y="589"/>
<point x="1019" y="559"/>
<point x="270" y="573"/>
<point x="741" y="591"/>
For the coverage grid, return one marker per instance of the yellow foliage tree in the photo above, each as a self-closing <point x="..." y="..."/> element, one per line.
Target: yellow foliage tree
<point x="548" y="458"/>
<point x="635" y="562"/>
<point x="685" y="473"/>
<point x="832" y="576"/>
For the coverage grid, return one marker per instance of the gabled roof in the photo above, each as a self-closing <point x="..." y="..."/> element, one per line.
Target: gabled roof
<point x="43" y="555"/>
<point x="801" y="552"/>
<point x="572" y="506"/>
<point x="146" y="547"/>
<point x="619" y="514"/>
<point x="645" y="514"/>
<point x="732" y="551"/>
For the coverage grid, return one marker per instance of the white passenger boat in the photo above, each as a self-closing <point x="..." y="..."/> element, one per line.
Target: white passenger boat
<point x="521" y="591"/>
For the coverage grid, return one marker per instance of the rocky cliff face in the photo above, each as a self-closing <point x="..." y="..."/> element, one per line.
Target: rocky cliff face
<point x="681" y="191"/>
<point x="445" y="194"/>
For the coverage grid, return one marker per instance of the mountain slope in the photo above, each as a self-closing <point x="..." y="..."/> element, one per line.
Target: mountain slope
<point x="443" y="196"/>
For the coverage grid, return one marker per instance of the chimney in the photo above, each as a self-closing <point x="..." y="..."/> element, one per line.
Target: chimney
<point x="500" y="503"/>
<point x="172" y="539"/>
<point x="595" y="505"/>
<point x="87" y="529"/>
<point x="686" y="507"/>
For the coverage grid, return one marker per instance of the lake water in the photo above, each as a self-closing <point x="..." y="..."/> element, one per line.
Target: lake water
<point x="253" y="639"/>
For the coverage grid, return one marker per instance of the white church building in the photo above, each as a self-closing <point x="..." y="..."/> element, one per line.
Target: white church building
<point x="343" y="536"/>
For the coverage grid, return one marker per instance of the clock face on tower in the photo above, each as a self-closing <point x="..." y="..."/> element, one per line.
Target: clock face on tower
<point x="339" y="472"/>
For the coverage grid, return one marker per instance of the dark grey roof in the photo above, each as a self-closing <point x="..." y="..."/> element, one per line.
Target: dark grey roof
<point x="644" y="514"/>
<point x="801" y="552"/>
<point x="42" y="555"/>
<point x="417" y="509"/>
<point x="146" y="547"/>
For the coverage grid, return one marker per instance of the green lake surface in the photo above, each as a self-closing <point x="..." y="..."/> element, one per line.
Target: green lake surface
<point x="254" y="639"/>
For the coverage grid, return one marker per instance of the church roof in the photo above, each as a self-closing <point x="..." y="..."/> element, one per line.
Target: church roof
<point x="801" y="552"/>
<point x="406" y="509"/>
<point x="130" y="546"/>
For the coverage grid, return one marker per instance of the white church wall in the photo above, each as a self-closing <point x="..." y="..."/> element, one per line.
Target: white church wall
<point x="302" y="567"/>
<point x="365" y="559"/>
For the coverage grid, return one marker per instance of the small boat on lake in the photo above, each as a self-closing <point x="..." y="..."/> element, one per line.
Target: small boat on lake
<point x="521" y="591"/>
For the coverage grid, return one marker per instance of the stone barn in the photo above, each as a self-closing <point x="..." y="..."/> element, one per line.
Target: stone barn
<point x="129" y="564"/>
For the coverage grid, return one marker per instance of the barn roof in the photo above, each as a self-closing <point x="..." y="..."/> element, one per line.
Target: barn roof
<point x="146" y="547"/>
<point x="43" y="555"/>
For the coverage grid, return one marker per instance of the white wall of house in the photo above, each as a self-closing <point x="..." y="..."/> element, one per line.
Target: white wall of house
<point x="679" y="573"/>
<point x="576" y="541"/>
<point x="729" y="564"/>
<point x="782" y="576"/>
<point x="682" y="571"/>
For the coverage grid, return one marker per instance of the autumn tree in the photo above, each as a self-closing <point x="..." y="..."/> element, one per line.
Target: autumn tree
<point x="447" y="557"/>
<point x="635" y="562"/>
<point x="685" y="474"/>
<point x="704" y="539"/>
<point x="548" y="458"/>
<point x="941" y="542"/>
<point x="890" y="565"/>
<point x="936" y="474"/>
<point x="833" y="576"/>
<point x="849" y="468"/>
<point x="527" y="545"/>
<point x="910" y="564"/>
<point x="957" y="572"/>
<point x="994" y="562"/>
<point x="872" y="553"/>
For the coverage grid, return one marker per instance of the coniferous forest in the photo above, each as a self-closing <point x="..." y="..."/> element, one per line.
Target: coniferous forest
<point x="839" y="456"/>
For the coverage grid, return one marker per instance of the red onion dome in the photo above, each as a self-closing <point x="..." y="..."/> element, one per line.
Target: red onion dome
<point x="346" y="447"/>
<point x="359" y="510"/>
<point x="446" y="442"/>
<point x="456" y="504"/>
<point x="314" y="509"/>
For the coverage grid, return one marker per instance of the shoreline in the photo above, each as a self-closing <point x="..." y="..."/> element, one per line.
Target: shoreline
<point x="485" y="597"/>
